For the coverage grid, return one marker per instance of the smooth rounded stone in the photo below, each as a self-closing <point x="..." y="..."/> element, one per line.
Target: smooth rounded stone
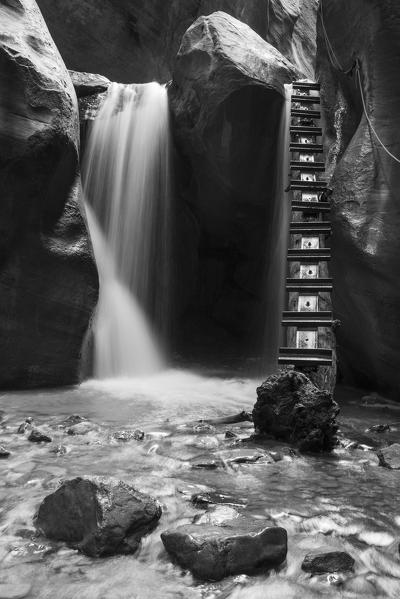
<point x="38" y="436"/>
<point x="290" y="407"/>
<point x="389" y="457"/>
<point x="240" y="546"/>
<point x="82" y="428"/>
<point x="98" y="515"/>
<point x="213" y="497"/>
<point x="4" y="453"/>
<point x="15" y="590"/>
<point x="332" y="561"/>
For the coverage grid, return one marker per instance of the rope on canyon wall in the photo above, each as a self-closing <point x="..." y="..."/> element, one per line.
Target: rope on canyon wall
<point x="337" y="65"/>
<point x="369" y="120"/>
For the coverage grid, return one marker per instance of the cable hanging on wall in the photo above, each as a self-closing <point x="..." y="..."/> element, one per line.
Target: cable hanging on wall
<point x="337" y="65"/>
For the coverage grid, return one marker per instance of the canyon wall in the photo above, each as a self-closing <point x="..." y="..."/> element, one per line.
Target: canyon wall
<point x="365" y="181"/>
<point x="48" y="279"/>
<point x="137" y="40"/>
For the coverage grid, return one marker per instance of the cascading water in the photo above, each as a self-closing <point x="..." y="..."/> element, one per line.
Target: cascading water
<point x="126" y="180"/>
<point x="277" y="251"/>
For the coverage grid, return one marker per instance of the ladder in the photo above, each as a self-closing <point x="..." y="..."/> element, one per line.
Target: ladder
<point x="307" y="317"/>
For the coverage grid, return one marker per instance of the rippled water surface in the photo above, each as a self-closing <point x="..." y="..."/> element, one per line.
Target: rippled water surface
<point x="344" y="501"/>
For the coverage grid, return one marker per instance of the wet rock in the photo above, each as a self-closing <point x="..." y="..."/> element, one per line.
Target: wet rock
<point x="238" y="547"/>
<point x="27" y="425"/>
<point x="136" y="435"/>
<point x="203" y="428"/>
<point x="379" y="428"/>
<point x="82" y="428"/>
<point x="207" y="464"/>
<point x="230" y="435"/>
<point x="38" y="436"/>
<point x="48" y="278"/>
<point x="72" y="420"/>
<point x="99" y="516"/>
<point x="59" y="450"/>
<point x="214" y="498"/>
<point x="290" y="407"/>
<point x="389" y="457"/>
<point x="4" y="453"/>
<point x="322" y="563"/>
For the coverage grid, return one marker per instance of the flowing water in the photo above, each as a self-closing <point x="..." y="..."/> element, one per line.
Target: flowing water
<point x="277" y="254"/>
<point x="126" y="180"/>
<point x="344" y="501"/>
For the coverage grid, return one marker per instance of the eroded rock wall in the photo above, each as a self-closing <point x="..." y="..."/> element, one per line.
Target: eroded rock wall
<point x="366" y="184"/>
<point x="137" y="40"/>
<point x="48" y="280"/>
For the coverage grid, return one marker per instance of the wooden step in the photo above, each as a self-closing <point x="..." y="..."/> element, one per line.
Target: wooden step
<point x="318" y="227"/>
<point x="307" y="319"/>
<point x="305" y="357"/>
<point x="311" y="148"/>
<point x="300" y="206"/>
<point x="306" y="99"/>
<point x="306" y="130"/>
<point x="298" y="165"/>
<point x="315" y="285"/>
<point x="304" y="85"/>
<point x="319" y="254"/>
<point x="308" y="185"/>
<point x="312" y="114"/>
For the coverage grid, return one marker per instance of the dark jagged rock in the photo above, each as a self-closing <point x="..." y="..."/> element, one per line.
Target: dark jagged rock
<point x="137" y="40"/>
<point x="48" y="279"/>
<point x="214" y="498"/>
<point x="72" y="420"/>
<point x="88" y="84"/>
<point x="25" y="426"/>
<point x="99" y="516"/>
<point x="365" y="180"/>
<point x="38" y="436"/>
<point x="332" y="561"/>
<point x="238" y="547"/>
<point x="4" y="453"/>
<point x="389" y="457"/>
<point x="290" y="407"/>
<point x="226" y="101"/>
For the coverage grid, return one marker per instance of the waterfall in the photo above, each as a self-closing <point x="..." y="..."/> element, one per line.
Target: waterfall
<point x="277" y="250"/>
<point x="126" y="181"/>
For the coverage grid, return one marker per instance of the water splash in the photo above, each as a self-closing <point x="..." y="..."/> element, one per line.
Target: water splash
<point x="126" y="180"/>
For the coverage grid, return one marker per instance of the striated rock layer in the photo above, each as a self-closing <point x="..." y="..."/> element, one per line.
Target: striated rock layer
<point x="226" y="100"/>
<point x="366" y="181"/>
<point x="137" y="40"/>
<point x="48" y="280"/>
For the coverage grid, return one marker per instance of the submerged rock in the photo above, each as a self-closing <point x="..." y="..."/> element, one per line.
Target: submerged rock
<point x="38" y="436"/>
<point x="239" y="546"/>
<point x="389" y="457"/>
<point x="27" y="425"/>
<point x="99" y="516"/>
<point x="292" y="408"/>
<point x="4" y="453"/>
<point x="322" y="563"/>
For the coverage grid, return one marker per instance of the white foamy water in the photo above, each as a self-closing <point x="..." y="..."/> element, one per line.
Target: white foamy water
<point x="126" y="180"/>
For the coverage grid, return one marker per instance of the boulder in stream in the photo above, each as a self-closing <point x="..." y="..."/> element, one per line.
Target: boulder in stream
<point x="389" y="457"/>
<point x="332" y="561"/>
<point x="292" y="408"/>
<point x="99" y="516"/>
<point x="4" y="453"/>
<point x="239" y="546"/>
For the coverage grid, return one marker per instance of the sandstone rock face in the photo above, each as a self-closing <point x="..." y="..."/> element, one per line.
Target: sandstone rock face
<point x="365" y="180"/>
<point x="292" y="408"/>
<point x="99" y="516"/>
<point x="389" y="457"/>
<point x="226" y="101"/>
<point x="48" y="280"/>
<point x="137" y="40"/>
<point x="214" y="552"/>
